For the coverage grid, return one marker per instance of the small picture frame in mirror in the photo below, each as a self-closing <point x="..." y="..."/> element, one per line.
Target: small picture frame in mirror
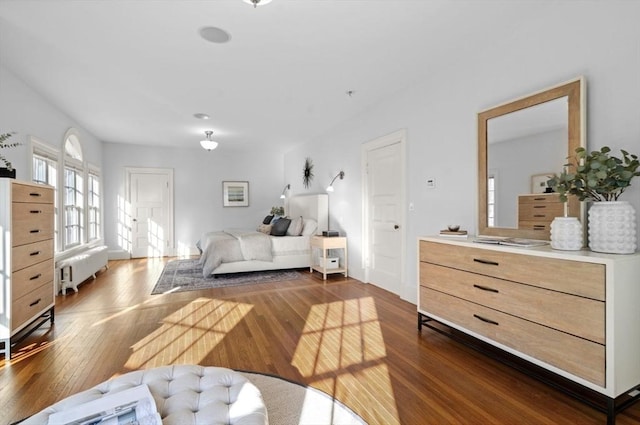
<point x="539" y="182"/>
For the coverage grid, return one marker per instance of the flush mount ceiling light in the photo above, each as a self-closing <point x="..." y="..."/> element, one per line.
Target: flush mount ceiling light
<point x="214" y="35"/>
<point x="257" y="3"/>
<point x="201" y="116"/>
<point x="208" y="144"/>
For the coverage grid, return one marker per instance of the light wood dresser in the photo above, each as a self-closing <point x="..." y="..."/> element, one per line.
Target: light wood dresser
<point x="26" y="259"/>
<point x="536" y="212"/>
<point x="574" y="313"/>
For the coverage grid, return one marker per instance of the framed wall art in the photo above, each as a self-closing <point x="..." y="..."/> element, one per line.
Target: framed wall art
<point x="235" y="194"/>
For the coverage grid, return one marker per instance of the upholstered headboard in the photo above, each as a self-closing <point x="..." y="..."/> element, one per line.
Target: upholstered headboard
<point x="310" y="206"/>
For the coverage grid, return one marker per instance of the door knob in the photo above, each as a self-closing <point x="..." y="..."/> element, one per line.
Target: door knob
<point x="396" y="227"/>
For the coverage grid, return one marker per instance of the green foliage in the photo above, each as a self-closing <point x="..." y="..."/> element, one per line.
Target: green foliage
<point x="277" y="211"/>
<point x="4" y="143"/>
<point x="595" y="176"/>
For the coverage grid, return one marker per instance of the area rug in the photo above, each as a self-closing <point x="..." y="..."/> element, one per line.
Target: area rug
<point x="186" y="275"/>
<point x="290" y="403"/>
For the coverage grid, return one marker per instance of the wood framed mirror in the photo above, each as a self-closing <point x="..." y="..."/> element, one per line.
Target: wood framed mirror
<point x="520" y="143"/>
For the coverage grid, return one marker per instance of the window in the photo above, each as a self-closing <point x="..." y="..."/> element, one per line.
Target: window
<point x="93" y="205"/>
<point x="44" y="170"/>
<point x="491" y="201"/>
<point x="78" y="191"/>
<point x="73" y="207"/>
<point x="74" y="190"/>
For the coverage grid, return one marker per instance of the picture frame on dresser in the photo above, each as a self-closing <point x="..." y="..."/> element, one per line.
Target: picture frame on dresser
<point x="539" y="182"/>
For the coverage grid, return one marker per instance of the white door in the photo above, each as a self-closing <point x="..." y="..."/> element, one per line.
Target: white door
<point x="384" y="204"/>
<point x="151" y="200"/>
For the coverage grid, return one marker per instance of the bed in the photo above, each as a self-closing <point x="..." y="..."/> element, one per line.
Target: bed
<point x="241" y="250"/>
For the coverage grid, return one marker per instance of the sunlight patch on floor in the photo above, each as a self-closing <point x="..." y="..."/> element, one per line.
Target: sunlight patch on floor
<point x="187" y="335"/>
<point x="340" y="335"/>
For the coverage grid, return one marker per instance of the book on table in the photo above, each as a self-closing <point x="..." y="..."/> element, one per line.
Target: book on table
<point x="524" y="243"/>
<point x="452" y="234"/>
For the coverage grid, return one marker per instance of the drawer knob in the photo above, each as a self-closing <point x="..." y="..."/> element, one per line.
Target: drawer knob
<point x="488" y="262"/>
<point x="486" y="288"/>
<point x="484" y="319"/>
<point x="35" y="211"/>
<point x="33" y="254"/>
<point x="36" y="302"/>
<point x="35" y="277"/>
<point x="36" y="194"/>
<point x="34" y="231"/>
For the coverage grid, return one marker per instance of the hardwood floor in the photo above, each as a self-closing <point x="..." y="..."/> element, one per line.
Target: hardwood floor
<point x="354" y="341"/>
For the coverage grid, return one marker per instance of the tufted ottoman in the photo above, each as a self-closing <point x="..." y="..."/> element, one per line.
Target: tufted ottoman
<point x="184" y="395"/>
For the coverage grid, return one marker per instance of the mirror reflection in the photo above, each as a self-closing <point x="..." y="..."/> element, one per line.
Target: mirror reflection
<point x="523" y="147"/>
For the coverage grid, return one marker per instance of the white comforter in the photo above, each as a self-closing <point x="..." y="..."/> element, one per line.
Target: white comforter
<point x="232" y="245"/>
<point x="244" y="245"/>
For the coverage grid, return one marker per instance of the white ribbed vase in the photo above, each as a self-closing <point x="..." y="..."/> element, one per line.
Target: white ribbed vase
<point x="612" y="227"/>
<point x="566" y="234"/>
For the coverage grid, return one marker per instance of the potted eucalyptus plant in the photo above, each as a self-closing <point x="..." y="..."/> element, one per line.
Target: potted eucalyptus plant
<point x="7" y="170"/>
<point x="600" y="178"/>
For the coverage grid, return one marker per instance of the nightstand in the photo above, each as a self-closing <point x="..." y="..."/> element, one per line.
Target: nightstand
<point x="327" y="264"/>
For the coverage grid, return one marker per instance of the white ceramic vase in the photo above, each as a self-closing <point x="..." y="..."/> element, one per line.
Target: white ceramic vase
<point x="612" y="227"/>
<point x="566" y="234"/>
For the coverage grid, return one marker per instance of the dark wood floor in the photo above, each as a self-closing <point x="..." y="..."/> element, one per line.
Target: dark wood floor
<point x="351" y="340"/>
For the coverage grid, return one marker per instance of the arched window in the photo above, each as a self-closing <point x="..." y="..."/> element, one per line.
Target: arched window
<point x="73" y="200"/>
<point x="78" y="189"/>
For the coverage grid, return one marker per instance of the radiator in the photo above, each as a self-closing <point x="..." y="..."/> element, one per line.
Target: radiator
<point x="75" y="270"/>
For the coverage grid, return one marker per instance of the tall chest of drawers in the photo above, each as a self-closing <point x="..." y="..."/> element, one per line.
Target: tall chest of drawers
<point x="574" y="313"/>
<point x="26" y="258"/>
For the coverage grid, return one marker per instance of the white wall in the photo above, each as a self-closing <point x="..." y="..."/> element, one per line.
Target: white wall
<point x="198" y="177"/>
<point x="24" y="111"/>
<point x="597" y="39"/>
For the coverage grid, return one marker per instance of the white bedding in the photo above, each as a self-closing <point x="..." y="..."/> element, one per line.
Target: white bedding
<point x="255" y="250"/>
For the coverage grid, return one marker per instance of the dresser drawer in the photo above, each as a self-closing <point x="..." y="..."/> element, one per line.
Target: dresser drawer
<point x="26" y="280"/>
<point x="31" y="222"/>
<point x="539" y="199"/>
<point x="33" y="253"/>
<point x="32" y="193"/>
<point x="540" y="212"/>
<point x="575" y="355"/>
<point x="572" y="277"/>
<point x="583" y="317"/>
<point x="26" y="307"/>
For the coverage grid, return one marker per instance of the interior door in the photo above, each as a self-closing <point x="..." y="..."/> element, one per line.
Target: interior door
<point x="151" y="199"/>
<point x="385" y="213"/>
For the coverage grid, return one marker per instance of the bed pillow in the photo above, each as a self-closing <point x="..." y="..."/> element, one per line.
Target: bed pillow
<point x="295" y="228"/>
<point x="264" y="228"/>
<point x="279" y="228"/>
<point x="267" y="219"/>
<point x="309" y="227"/>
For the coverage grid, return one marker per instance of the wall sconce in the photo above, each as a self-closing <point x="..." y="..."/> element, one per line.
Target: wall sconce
<point x="330" y="187"/>
<point x="287" y="187"/>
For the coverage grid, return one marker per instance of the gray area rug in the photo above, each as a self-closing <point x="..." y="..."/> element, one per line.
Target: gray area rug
<point x="186" y="275"/>
<point x="289" y="403"/>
